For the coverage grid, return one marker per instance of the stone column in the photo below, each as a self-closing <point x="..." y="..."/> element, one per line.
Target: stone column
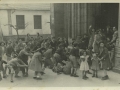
<point x="68" y="6"/>
<point x="52" y="19"/>
<point x="117" y="48"/>
<point x="78" y="19"/>
<point x="85" y="18"/>
<point x="72" y="12"/>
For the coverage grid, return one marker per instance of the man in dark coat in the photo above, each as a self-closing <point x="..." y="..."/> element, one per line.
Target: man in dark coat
<point x="23" y="55"/>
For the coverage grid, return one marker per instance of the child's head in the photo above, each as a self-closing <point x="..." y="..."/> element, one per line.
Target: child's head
<point x="84" y="53"/>
<point x="27" y="49"/>
<point x="41" y="50"/>
<point x="14" y="55"/>
<point x="94" y="54"/>
<point x="76" y="45"/>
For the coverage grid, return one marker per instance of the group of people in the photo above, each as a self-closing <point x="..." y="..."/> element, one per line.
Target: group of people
<point x="89" y="52"/>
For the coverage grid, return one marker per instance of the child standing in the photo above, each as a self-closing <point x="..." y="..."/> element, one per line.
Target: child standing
<point x="84" y="64"/>
<point x="95" y="64"/>
<point x="74" y="57"/>
<point x="2" y="69"/>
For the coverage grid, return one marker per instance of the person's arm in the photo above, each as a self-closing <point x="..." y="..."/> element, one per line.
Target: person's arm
<point x="105" y="54"/>
<point x="28" y="54"/>
<point x="22" y="64"/>
<point x="114" y="38"/>
<point x="90" y="29"/>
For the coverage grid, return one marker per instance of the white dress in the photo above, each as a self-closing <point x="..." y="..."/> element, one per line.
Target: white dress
<point x="84" y="64"/>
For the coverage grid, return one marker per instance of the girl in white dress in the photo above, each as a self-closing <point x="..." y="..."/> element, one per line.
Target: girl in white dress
<point x="84" y="64"/>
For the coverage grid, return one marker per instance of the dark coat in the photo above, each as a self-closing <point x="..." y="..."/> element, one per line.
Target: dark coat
<point x="103" y="53"/>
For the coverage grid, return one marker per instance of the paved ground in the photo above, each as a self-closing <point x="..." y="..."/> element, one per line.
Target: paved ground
<point x="51" y="79"/>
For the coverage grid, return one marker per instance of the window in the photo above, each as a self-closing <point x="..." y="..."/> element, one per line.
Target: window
<point x="37" y="22"/>
<point x="20" y="22"/>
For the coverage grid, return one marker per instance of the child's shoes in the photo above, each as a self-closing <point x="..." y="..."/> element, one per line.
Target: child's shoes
<point x="11" y="81"/>
<point x="84" y="78"/>
<point x="93" y="75"/>
<point x="26" y="74"/>
<point x="4" y="76"/>
<point x="75" y="75"/>
<point x="96" y="76"/>
<point x="105" y="77"/>
<point x="71" y="75"/>
<point x="16" y="76"/>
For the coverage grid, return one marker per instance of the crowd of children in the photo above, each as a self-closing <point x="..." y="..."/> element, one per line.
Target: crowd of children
<point x="84" y="54"/>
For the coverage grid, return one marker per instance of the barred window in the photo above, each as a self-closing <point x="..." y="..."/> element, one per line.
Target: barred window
<point x="20" y="22"/>
<point x="37" y="22"/>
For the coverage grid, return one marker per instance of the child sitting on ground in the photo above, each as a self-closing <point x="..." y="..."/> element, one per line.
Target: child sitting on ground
<point x="2" y="69"/>
<point x="67" y="67"/>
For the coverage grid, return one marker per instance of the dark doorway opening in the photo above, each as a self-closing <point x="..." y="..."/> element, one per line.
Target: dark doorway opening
<point x="109" y="16"/>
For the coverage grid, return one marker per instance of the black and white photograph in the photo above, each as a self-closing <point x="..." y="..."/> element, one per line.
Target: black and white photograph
<point x="59" y="44"/>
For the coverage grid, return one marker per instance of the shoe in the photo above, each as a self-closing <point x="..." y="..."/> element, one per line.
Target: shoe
<point x="86" y="77"/>
<point x="93" y="75"/>
<point x="39" y="78"/>
<point x="11" y="81"/>
<point x="34" y="77"/>
<point x="53" y="70"/>
<point x="16" y="76"/>
<point x="96" y="76"/>
<point x="58" y="73"/>
<point x="75" y="75"/>
<point x="89" y="72"/>
<point x="4" y="76"/>
<point x="110" y="68"/>
<point x="71" y="75"/>
<point x="9" y="72"/>
<point x="26" y="74"/>
<point x="105" y="77"/>
<point x="42" y="73"/>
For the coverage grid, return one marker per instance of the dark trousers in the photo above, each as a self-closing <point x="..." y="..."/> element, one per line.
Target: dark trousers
<point x="23" y="69"/>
